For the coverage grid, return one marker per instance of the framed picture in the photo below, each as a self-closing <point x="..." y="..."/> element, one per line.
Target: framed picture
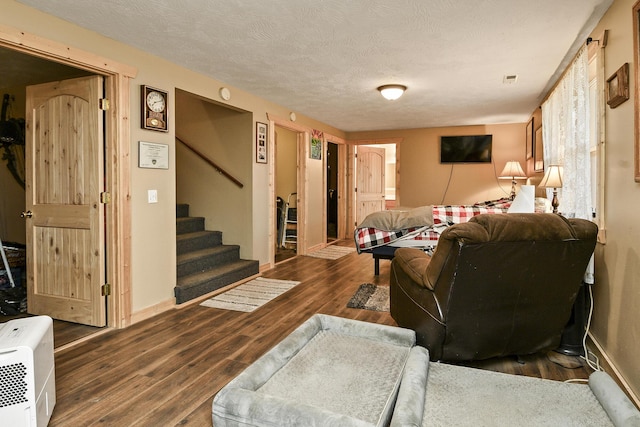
<point x="538" y="152"/>
<point x="636" y="60"/>
<point x="529" y="139"/>
<point x="618" y="86"/>
<point x="261" y="142"/>
<point x="315" y="150"/>
<point x="152" y="155"/>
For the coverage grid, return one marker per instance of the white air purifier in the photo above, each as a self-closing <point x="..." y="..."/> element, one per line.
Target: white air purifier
<point x="27" y="375"/>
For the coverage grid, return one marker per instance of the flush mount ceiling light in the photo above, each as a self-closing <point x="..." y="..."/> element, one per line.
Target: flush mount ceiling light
<point x="392" y="92"/>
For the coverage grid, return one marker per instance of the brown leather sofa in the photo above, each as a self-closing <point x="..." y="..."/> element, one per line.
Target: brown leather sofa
<point x="497" y="285"/>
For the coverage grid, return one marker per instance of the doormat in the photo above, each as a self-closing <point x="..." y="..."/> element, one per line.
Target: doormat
<point x="370" y="297"/>
<point x="332" y="252"/>
<point x="251" y="295"/>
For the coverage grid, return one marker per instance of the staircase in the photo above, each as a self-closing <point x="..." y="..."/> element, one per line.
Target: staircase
<point x="204" y="263"/>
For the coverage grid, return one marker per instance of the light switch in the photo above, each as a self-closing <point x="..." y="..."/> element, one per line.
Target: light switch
<point x="152" y="195"/>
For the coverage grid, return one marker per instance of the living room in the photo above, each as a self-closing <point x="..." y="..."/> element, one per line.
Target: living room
<point x="150" y="268"/>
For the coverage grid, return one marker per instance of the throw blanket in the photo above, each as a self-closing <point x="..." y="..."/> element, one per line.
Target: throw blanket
<point x="419" y="227"/>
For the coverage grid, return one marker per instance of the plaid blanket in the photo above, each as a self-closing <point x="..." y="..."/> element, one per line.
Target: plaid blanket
<point x="367" y="237"/>
<point x="449" y="215"/>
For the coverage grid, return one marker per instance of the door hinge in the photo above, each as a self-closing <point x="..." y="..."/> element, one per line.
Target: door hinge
<point x="106" y="289"/>
<point x="105" y="197"/>
<point x="104" y="104"/>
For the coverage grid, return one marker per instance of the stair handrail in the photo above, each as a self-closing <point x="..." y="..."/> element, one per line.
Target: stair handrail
<point x="211" y="163"/>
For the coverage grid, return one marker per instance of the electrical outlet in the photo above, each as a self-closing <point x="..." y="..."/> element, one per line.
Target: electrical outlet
<point x="152" y="196"/>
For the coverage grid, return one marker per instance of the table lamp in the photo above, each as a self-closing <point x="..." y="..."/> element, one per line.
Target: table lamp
<point x="512" y="170"/>
<point x="553" y="179"/>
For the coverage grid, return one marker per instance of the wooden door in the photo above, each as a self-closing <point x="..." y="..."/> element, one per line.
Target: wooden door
<point x="370" y="184"/>
<point x="65" y="219"/>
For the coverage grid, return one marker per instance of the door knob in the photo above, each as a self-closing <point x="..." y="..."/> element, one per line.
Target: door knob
<point x="27" y="214"/>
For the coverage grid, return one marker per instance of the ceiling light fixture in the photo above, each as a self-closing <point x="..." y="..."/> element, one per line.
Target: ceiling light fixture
<point x="392" y="92"/>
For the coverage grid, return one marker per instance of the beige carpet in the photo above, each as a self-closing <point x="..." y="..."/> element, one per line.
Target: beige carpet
<point x="332" y="252"/>
<point x="251" y="295"/>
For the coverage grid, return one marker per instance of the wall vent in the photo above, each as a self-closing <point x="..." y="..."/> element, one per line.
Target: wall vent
<point x="509" y="78"/>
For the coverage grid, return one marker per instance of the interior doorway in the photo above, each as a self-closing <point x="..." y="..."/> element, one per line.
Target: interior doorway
<point x="332" y="191"/>
<point x="286" y="192"/>
<point x="376" y="177"/>
<point x="23" y="70"/>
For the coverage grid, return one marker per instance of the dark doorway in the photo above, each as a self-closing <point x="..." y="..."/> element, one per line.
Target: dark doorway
<point x="332" y="192"/>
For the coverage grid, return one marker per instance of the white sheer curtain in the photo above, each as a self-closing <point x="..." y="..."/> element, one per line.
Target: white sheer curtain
<point x="565" y="128"/>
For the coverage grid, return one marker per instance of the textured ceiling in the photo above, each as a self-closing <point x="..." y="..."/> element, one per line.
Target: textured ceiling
<point x="324" y="59"/>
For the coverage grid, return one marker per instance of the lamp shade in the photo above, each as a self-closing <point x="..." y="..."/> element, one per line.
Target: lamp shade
<point x="512" y="170"/>
<point x="392" y="92"/>
<point x="552" y="177"/>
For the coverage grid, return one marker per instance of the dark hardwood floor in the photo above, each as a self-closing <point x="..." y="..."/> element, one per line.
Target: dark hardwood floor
<point x="165" y="371"/>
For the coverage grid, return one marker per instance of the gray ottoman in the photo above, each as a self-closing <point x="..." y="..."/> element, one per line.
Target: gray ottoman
<point x="329" y="371"/>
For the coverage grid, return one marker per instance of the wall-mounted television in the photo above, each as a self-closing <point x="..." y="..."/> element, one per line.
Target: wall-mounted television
<point x="465" y="149"/>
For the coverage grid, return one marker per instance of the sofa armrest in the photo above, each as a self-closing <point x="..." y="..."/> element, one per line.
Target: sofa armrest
<point x="409" y="409"/>
<point x="615" y="403"/>
<point x="414" y="262"/>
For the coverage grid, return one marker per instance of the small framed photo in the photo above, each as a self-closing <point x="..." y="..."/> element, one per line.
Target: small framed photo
<point x="538" y="153"/>
<point x="261" y="142"/>
<point x="618" y="86"/>
<point x="529" y="139"/>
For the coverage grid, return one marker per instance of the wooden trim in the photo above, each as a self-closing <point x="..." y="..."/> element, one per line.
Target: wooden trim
<point x="636" y="80"/>
<point x="343" y="196"/>
<point x="376" y="141"/>
<point x="287" y="124"/>
<point x="54" y="51"/>
<point x="153" y="310"/>
<point x="303" y="189"/>
<point x="335" y="139"/>
<point x="118" y="173"/>
<point x="273" y="220"/>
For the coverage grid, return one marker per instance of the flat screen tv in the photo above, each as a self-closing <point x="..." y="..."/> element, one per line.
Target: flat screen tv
<point x="465" y="149"/>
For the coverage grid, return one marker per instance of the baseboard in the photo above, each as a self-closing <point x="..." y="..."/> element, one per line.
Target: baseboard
<point x="316" y="247"/>
<point x="610" y="368"/>
<point x="153" y="310"/>
<point x="265" y="267"/>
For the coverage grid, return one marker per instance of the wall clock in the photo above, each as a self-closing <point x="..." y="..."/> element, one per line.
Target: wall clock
<point x="154" y="108"/>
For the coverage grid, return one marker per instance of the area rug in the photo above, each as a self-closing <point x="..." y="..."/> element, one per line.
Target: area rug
<point x="251" y="295"/>
<point x="332" y="252"/>
<point x="370" y="297"/>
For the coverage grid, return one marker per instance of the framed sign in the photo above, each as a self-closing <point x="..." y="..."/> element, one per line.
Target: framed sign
<point x="618" y="86"/>
<point x="152" y="155"/>
<point x="261" y="142"/>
